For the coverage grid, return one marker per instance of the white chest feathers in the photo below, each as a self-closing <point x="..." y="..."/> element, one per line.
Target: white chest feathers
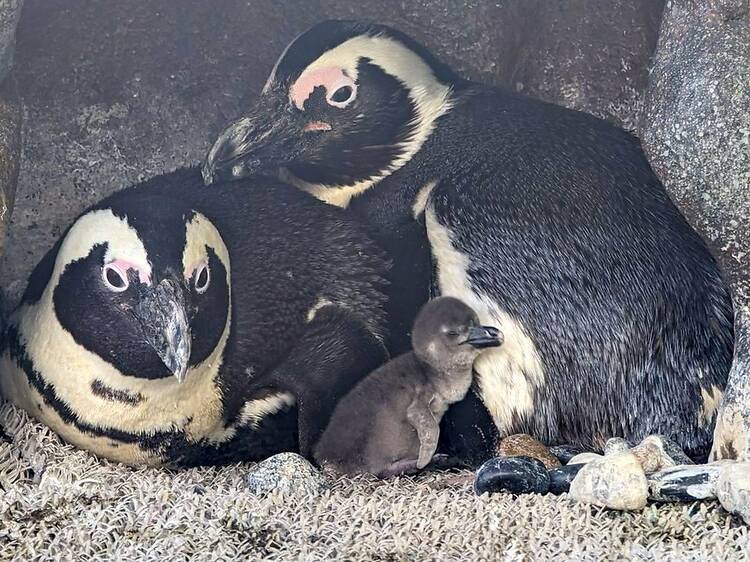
<point x="510" y="375"/>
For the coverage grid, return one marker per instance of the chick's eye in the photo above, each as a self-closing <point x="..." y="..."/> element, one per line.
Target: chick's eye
<point x="202" y="278"/>
<point x="114" y="278"/>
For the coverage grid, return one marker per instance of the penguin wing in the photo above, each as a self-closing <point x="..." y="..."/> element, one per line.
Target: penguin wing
<point x="333" y="354"/>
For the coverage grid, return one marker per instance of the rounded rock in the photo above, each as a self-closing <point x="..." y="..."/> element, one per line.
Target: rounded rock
<point x="733" y="489"/>
<point x="685" y="483"/>
<point x="287" y="473"/>
<point x="585" y="458"/>
<point x="517" y="475"/>
<point x="616" y="445"/>
<point x="566" y="452"/>
<point x="615" y="481"/>
<point x="561" y="478"/>
<point x="524" y="445"/>
<point x="657" y="452"/>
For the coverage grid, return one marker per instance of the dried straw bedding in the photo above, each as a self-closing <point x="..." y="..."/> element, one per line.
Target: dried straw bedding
<point x="60" y="503"/>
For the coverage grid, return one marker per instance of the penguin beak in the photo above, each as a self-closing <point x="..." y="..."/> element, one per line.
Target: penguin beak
<point x="484" y="336"/>
<point x="161" y="313"/>
<point x="270" y="137"/>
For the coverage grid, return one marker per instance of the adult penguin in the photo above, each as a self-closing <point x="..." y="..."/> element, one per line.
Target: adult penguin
<point x="173" y="325"/>
<point x="548" y="222"/>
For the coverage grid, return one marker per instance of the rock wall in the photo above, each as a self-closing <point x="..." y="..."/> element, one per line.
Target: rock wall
<point x="697" y="136"/>
<point x="10" y="115"/>
<point x="119" y="91"/>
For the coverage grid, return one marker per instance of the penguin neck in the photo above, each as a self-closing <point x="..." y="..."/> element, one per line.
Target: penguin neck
<point x="451" y="381"/>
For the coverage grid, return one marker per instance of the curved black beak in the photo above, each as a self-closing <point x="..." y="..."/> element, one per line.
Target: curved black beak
<point x="484" y="336"/>
<point x="269" y="137"/>
<point x="161" y="313"/>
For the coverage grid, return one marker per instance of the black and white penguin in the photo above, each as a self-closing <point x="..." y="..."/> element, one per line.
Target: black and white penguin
<point x="388" y="423"/>
<point x="548" y="222"/>
<point x="146" y="332"/>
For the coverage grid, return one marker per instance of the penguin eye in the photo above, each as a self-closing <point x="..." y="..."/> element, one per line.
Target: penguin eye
<point x="202" y="279"/>
<point x="342" y="94"/>
<point x="114" y="278"/>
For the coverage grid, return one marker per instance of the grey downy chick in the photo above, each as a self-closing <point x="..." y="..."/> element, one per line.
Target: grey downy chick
<point x="389" y="422"/>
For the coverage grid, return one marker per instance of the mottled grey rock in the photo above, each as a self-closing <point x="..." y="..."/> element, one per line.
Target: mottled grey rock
<point x="117" y="91"/>
<point x="685" y="483"/>
<point x="10" y="11"/>
<point x="616" y="445"/>
<point x="584" y="458"/>
<point x="733" y="489"/>
<point x="10" y="151"/>
<point x="657" y="452"/>
<point x="285" y="473"/>
<point x="697" y="136"/>
<point x="616" y="481"/>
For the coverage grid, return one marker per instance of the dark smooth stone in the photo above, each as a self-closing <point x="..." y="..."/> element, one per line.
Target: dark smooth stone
<point x="517" y="475"/>
<point x="561" y="478"/>
<point x="685" y="483"/>
<point x="566" y="452"/>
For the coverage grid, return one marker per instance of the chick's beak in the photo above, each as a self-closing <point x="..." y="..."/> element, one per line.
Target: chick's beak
<point x="163" y="318"/>
<point x="484" y="336"/>
<point x="269" y="137"/>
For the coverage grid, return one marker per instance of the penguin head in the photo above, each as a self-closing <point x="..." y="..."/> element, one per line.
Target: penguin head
<point x="447" y="334"/>
<point x="143" y="285"/>
<point x="347" y="103"/>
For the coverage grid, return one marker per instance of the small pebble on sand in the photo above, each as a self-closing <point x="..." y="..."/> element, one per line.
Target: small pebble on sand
<point x="286" y="473"/>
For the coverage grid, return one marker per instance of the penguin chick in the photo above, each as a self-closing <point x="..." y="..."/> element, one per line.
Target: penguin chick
<point x="389" y="423"/>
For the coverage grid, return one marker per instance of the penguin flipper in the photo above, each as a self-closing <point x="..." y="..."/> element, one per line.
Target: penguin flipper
<point x="428" y="430"/>
<point x="335" y="352"/>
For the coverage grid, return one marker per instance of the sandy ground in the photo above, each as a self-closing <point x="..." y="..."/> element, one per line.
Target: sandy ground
<point x="60" y="503"/>
<point x="110" y="101"/>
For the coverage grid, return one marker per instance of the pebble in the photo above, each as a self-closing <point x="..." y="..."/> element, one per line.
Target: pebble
<point x="657" y="452"/>
<point x="524" y="445"/>
<point x="561" y="478"/>
<point x="517" y="475"/>
<point x="584" y="458"/>
<point x="286" y="473"/>
<point x="566" y="452"/>
<point x="616" y="481"/>
<point x="685" y="483"/>
<point x="733" y="489"/>
<point x="616" y="445"/>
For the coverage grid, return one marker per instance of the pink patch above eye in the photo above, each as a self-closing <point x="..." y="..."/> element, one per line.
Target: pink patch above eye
<point x="331" y="78"/>
<point x="123" y="266"/>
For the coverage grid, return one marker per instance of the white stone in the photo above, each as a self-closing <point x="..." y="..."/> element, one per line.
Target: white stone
<point x="583" y="458"/>
<point x="616" y="481"/>
<point x="733" y="489"/>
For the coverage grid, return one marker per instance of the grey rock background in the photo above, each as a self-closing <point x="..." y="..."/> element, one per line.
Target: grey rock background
<point x="10" y="114"/>
<point x="10" y="11"/>
<point x="119" y="91"/>
<point x="697" y="136"/>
